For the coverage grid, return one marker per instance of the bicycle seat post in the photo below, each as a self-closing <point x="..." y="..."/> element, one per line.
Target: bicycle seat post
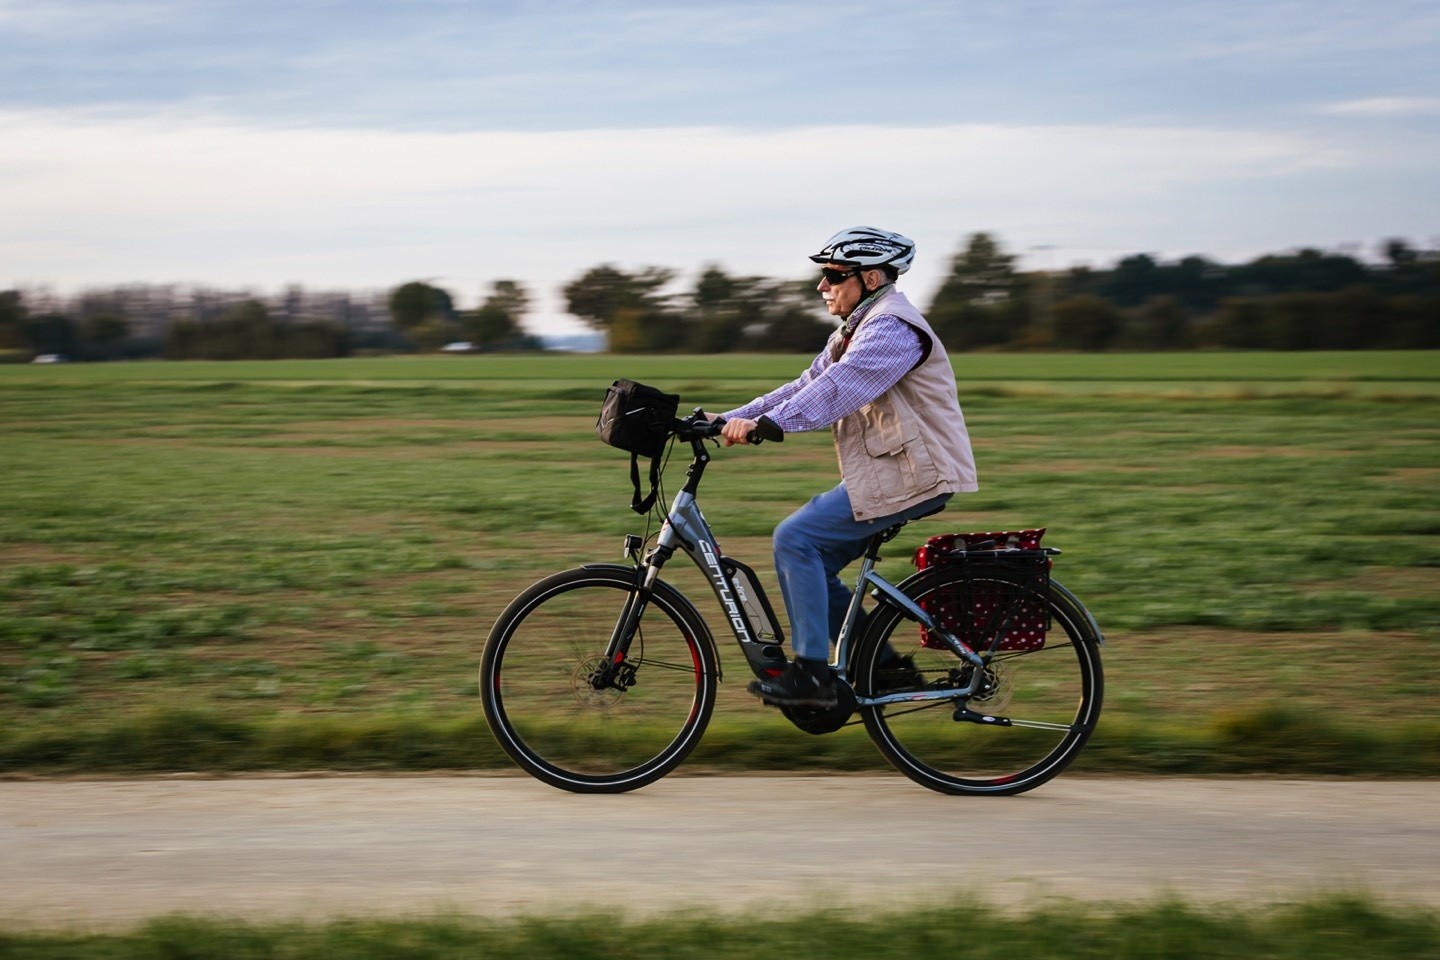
<point x="872" y="547"/>
<point x="884" y="536"/>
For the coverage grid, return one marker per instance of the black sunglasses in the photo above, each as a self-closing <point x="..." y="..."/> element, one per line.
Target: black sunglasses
<point x="836" y="277"/>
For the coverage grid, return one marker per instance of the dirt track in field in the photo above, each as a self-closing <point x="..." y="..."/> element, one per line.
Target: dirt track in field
<point x="112" y="852"/>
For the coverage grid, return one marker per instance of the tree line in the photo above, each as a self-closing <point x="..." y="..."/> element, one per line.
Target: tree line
<point x="1308" y="299"/>
<point x="183" y="323"/>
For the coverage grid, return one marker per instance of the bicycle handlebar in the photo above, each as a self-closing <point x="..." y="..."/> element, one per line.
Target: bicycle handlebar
<point x="698" y="426"/>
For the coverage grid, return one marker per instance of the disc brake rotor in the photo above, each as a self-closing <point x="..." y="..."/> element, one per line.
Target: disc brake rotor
<point x="997" y="688"/>
<point x="585" y="692"/>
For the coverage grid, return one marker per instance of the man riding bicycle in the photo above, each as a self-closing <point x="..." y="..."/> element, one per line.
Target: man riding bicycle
<point x="885" y="387"/>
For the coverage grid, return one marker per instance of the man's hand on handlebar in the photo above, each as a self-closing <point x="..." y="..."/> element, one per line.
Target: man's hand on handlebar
<point x="737" y="431"/>
<point x="740" y="431"/>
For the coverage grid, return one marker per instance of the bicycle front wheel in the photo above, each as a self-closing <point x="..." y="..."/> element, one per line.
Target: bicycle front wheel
<point x="537" y="682"/>
<point x="1042" y="703"/>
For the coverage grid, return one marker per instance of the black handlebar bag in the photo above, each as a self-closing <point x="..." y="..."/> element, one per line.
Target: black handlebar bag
<point x="638" y="419"/>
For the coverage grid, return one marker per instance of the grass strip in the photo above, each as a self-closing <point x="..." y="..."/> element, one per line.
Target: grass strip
<point x="1268" y="740"/>
<point x="1339" y="926"/>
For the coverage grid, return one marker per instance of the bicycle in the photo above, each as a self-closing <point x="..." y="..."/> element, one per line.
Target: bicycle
<point x="602" y="678"/>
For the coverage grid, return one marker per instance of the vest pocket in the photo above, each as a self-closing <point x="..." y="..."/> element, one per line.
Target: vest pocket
<point x="900" y="461"/>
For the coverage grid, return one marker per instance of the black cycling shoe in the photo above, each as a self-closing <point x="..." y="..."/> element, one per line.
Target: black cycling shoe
<point x="804" y="683"/>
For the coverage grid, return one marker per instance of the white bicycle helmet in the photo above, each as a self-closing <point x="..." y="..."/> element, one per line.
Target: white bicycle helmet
<point x="868" y="247"/>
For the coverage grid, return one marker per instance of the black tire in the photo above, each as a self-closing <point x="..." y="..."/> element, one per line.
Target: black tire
<point x="550" y="720"/>
<point x="1058" y="686"/>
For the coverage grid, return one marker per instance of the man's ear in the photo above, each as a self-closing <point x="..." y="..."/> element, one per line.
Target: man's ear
<point x="873" y="279"/>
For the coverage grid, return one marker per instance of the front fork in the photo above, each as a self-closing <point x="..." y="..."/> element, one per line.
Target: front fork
<point x="615" y="670"/>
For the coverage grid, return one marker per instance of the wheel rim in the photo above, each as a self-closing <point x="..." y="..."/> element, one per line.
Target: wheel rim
<point x="550" y="717"/>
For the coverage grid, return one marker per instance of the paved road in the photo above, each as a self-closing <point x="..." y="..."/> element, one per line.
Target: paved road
<point x="111" y="852"/>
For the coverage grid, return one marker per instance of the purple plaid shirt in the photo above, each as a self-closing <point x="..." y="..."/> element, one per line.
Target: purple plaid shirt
<point x="883" y="349"/>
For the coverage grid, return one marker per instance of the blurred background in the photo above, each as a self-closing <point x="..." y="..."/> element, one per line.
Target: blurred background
<point x="180" y="161"/>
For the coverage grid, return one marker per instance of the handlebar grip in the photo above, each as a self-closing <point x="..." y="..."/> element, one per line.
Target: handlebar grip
<point x="767" y="429"/>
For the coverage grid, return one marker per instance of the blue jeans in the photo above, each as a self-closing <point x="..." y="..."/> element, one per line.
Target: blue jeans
<point x="812" y="546"/>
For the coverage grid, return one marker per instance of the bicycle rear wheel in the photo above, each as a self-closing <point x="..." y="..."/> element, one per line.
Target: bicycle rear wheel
<point x="1047" y="699"/>
<point x="535" y="682"/>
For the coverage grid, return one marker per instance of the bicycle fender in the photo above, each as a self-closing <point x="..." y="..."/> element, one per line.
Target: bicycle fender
<point x="676" y="599"/>
<point x="1066" y="596"/>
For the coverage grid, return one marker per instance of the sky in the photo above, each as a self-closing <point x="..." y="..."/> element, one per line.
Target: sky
<point x="356" y="146"/>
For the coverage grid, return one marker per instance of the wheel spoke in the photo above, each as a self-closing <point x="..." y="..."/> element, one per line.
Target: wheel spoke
<point x="664" y="665"/>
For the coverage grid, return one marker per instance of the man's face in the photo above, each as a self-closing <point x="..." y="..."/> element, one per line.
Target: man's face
<point x="842" y="296"/>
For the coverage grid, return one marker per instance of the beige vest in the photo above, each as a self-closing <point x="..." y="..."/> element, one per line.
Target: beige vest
<point x="911" y="443"/>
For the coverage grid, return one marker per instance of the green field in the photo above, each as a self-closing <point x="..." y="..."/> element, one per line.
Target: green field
<point x="1332" y="928"/>
<point x="294" y="564"/>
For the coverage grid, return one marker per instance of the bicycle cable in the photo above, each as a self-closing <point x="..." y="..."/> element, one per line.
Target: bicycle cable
<point x="661" y="507"/>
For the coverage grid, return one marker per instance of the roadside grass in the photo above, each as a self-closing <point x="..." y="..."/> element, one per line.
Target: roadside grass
<point x="292" y="565"/>
<point x="1259" y="740"/>
<point x="1327" y="927"/>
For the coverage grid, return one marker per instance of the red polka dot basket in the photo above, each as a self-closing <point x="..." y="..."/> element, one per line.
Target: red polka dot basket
<point x="1006" y="594"/>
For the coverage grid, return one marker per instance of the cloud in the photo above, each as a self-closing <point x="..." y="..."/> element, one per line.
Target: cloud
<point x="179" y="198"/>
<point x="176" y="167"/>
<point x="622" y="64"/>
<point x="1385" y="107"/>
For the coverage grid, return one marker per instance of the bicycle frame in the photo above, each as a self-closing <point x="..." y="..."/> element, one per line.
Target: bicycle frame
<point x="686" y="529"/>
